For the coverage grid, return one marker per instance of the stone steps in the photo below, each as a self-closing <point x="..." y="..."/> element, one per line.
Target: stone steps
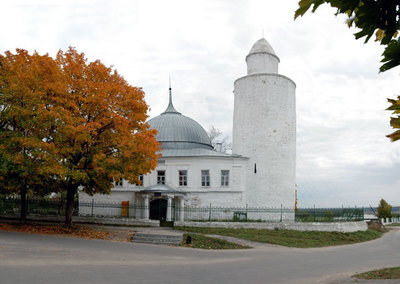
<point x="163" y="239"/>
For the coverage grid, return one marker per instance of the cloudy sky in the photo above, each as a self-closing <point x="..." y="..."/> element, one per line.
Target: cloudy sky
<point x="343" y="156"/>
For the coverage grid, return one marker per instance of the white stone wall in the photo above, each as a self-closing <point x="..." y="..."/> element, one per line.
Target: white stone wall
<point x="117" y="196"/>
<point x="264" y="129"/>
<point x="344" y="227"/>
<point x="388" y="221"/>
<point x="94" y="220"/>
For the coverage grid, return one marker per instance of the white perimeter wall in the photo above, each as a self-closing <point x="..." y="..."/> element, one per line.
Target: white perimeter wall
<point x="322" y="227"/>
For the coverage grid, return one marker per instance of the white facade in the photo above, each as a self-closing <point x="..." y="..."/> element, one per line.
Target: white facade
<point x="195" y="193"/>
<point x="259" y="173"/>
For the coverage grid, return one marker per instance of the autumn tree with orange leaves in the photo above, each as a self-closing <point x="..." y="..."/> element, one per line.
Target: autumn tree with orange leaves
<point x="104" y="136"/>
<point x="97" y="128"/>
<point x="27" y="158"/>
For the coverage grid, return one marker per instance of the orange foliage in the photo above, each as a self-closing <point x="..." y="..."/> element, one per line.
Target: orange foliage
<point x="81" y="120"/>
<point x="105" y="136"/>
<point x="27" y="155"/>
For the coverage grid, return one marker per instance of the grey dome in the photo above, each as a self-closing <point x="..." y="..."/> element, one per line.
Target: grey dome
<point x="262" y="46"/>
<point x="176" y="131"/>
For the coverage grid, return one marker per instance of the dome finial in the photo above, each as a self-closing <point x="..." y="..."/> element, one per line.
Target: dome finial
<point x="170" y="108"/>
<point x="170" y="91"/>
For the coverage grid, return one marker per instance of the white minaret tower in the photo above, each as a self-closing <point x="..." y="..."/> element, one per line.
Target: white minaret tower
<point x="264" y="129"/>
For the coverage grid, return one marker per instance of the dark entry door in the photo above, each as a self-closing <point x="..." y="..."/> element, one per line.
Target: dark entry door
<point x="158" y="209"/>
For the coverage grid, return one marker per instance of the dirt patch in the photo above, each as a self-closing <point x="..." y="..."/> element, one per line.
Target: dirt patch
<point x="79" y="231"/>
<point x="119" y="235"/>
<point x="376" y="226"/>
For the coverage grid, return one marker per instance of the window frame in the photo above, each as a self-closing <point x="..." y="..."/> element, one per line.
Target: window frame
<point x="224" y="178"/>
<point x="161" y="177"/>
<point x="141" y="178"/>
<point x="119" y="182"/>
<point x="183" y="178"/>
<point x="205" y="178"/>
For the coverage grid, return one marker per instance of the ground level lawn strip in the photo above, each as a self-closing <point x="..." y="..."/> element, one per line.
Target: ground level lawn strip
<point x="385" y="273"/>
<point x="203" y="242"/>
<point x="290" y="238"/>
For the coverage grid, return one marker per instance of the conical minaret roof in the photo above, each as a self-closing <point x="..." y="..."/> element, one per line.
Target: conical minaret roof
<point x="262" y="46"/>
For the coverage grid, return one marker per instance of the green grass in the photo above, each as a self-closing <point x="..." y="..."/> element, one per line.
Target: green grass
<point x="290" y="238"/>
<point x="385" y="273"/>
<point x="203" y="242"/>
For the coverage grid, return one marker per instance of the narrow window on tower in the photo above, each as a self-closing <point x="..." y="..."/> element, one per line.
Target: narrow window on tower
<point x="183" y="178"/>
<point x="161" y="177"/>
<point x="224" y="177"/>
<point x="205" y="177"/>
<point x="255" y="168"/>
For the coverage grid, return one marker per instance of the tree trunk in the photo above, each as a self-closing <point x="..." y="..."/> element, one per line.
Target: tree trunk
<point x="23" y="209"/>
<point x="71" y="190"/>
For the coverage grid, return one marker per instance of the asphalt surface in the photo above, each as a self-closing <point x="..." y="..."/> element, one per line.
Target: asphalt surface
<point x="27" y="258"/>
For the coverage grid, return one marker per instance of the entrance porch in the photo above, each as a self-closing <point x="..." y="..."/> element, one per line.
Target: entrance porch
<point x="160" y="202"/>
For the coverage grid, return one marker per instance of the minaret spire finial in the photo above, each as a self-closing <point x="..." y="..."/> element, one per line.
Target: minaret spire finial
<point x="170" y="108"/>
<point x="170" y="92"/>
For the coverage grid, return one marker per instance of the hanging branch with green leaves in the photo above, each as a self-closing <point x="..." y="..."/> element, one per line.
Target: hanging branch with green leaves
<point x="379" y="17"/>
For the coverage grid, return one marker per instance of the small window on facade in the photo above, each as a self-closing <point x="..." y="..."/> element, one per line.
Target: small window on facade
<point x="224" y="177"/>
<point x="183" y="178"/>
<point x="118" y="182"/>
<point x="205" y="178"/>
<point x="140" y="181"/>
<point x="161" y="177"/>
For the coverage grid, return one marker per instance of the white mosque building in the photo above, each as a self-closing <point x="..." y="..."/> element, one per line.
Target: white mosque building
<point x="260" y="172"/>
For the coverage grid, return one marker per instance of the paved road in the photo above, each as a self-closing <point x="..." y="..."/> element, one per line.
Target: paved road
<point x="32" y="259"/>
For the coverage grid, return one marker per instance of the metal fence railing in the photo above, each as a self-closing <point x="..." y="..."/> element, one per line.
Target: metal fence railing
<point x="238" y="214"/>
<point x="329" y="214"/>
<point x="56" y="207"/>
<point x="42" y="206"/>
<point x="111" y="209"/>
